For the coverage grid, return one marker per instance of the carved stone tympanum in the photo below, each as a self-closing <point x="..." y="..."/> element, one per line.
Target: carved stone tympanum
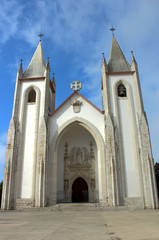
<point x="79" y="162"/>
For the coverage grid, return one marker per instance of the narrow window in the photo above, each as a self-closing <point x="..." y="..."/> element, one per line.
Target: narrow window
<point x="32" y="96"/>
<point x="121" y="91"/>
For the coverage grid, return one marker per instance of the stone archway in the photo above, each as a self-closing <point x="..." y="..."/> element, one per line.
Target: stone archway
<point x="79" y="190"/>
<point x="77" y="157"/>
<point x="61" y="184"/>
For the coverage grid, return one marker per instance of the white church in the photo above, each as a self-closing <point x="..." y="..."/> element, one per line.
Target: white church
<point x="79" y="153"/>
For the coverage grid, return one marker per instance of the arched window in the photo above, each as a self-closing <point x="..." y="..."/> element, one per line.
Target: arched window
<point x="32" y="96"/>
<point x="121" y="91"/>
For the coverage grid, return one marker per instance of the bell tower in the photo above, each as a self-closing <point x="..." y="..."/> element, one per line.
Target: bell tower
<point x="128" y="147"/>
<point x="27" y="152"/>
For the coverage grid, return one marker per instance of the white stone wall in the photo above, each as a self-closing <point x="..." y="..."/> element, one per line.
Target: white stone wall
<point x="125" y="116"/>
<point x="28" y="118"/>
<point x="28" y="157"/>
<point x="129" y="156"/>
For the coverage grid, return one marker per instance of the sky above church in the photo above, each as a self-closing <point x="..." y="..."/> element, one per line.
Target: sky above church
<point x="76" y="33"/>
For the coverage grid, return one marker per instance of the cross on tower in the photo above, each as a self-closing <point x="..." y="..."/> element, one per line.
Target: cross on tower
<point x="76" y="85"/>
<point x="41" y="35"/>
<point x="112" y="29"/>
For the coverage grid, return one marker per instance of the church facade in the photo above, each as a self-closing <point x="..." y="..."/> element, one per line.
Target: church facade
<point x="77" y="152"/>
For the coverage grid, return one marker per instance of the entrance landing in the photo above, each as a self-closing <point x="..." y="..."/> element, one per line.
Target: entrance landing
<point x="85" y="225"/>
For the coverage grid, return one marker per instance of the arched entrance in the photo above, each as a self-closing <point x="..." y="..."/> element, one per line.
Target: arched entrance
<point x="79" y="190"/>
<point x="76" y="133"/>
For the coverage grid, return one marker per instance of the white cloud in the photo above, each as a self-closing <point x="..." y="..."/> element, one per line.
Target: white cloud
<point x="138" y="24"/>
<point x="82" y="29"/>
<point x="10" y="11"/>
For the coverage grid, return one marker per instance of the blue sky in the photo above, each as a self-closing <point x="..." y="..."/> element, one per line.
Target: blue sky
<point x="76" y="33"/>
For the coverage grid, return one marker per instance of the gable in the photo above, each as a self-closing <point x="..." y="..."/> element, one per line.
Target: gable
<point x="72" y="97"/>
<point x="77" y="106"/>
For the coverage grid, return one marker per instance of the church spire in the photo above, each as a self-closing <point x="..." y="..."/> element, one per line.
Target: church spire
<point x="37" y="65"/>
<point x="117" y="61"/>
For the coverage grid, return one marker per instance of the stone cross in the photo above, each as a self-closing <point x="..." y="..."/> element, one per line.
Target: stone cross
<point x="76" y="85"/>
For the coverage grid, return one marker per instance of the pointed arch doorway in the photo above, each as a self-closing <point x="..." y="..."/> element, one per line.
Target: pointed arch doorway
<point x="79" y="190"/>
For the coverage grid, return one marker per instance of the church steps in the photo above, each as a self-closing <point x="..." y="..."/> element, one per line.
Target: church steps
<point x="77" y="207"/>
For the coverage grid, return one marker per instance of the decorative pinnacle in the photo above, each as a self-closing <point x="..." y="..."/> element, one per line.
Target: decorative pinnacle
<point x="41" y="35"/>
<point x="47" y="64"/>
<point x="132" y="55"/>
<point x="103" y="58"/>
<point x="21" y="64"/>
<point x="53" y="78"/>
<point x="133" y="58"/>
<point x="112" y="29"/>
<point x="104" y="64"/>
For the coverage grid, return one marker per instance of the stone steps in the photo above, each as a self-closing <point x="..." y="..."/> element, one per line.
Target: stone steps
<point x="75" y="207"/>
<point x="70" y="207"/>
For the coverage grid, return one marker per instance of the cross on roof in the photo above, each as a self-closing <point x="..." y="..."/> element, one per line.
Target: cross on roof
<point x="112" y="29"/>
<point x="41" y="35"/>
<point x="76" y="85"/>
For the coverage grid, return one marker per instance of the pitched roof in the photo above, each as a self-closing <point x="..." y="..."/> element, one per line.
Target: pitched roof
<point x="37" y="65"/>
<point x="74" y="93"/>
<point x="117" y="61"/>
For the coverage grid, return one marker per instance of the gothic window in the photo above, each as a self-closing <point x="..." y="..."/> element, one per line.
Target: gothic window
<point x="32" y="96"/>
<point x="121" y="91"/>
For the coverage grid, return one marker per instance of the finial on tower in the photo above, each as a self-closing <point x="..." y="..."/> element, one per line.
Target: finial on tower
<point x="53" y="78"/>
<point x="133" y="62"/>
<point x="40" y="36"/>
<point x="103" y="60"/>
<point x="21" y="64"/>
<point x="132" y="56"/>
<point x="112" y="29"/>
<point x="48" y="64"/>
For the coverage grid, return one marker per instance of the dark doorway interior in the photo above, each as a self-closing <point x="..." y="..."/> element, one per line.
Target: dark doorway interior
<point x="79" y="190"/>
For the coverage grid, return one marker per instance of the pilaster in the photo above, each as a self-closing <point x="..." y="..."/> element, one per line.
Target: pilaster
<point x="42" y="162"/>
<point x="147" y="165"/>
<point x="105" y="87"/>
<point x="137" y="87"/>
<point x="8" y="194"/>
<point x="111" y="165"/>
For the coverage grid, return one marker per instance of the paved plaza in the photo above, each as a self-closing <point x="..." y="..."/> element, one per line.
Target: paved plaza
<point x="83" y="225"/>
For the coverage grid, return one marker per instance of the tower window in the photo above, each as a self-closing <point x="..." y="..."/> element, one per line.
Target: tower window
<point x="121" y="91"/>
<point x="32" y="96"/>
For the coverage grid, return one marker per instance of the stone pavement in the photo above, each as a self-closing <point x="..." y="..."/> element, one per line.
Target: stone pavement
<point x="83" y="225"/>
